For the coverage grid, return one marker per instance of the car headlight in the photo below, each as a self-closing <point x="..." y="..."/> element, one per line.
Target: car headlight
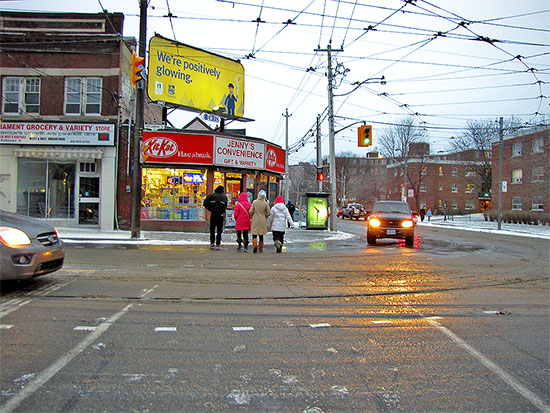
<point x="13" y="237"/>
<point x="374" y="222"/>
<point x="407" y="223"/>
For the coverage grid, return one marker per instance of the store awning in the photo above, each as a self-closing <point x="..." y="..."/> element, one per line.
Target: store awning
<point x="64" y="153"/>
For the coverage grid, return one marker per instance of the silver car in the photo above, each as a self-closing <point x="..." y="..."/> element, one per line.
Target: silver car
<point x="29" y="247"/>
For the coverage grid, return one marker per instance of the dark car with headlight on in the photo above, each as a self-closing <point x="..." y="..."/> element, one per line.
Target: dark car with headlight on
<point x="391" y="219"/>
<point x="29" y="247"/>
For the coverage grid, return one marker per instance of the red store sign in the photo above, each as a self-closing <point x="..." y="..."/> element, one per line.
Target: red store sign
<point x="195" y="149"/>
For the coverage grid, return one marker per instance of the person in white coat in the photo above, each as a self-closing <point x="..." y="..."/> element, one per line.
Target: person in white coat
<point x="277" y="221"/>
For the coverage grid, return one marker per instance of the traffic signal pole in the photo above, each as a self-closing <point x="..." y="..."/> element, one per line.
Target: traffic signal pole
<point x="319" y="160"/>
<point x="135" y="224"/>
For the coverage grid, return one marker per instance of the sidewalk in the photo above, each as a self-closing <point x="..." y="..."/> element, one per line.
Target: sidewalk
<point x="97" y="236"/>
<point x="477" y="223"/>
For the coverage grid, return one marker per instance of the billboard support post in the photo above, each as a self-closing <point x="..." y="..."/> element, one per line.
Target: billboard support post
<point x="135" y="224"/>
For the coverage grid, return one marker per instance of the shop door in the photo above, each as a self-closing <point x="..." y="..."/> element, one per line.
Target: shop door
<point x="88" y="195"/>
<point x="234" y="189"/>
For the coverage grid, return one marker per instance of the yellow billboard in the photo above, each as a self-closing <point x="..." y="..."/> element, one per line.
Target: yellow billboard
<point x="193" y="78"/>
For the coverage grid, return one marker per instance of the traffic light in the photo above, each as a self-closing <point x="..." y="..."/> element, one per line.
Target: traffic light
<point x="320" y="175"/>
<point x="364" y="135"/>
<point x="136" y="66"/>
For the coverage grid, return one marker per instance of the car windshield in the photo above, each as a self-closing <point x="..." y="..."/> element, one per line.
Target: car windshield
<point x="393" y="207"/>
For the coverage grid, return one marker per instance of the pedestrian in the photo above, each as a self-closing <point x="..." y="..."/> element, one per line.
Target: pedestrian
<point x="291" y="209"/>
<point x="242" y="221"/>
<point x="259" y="211"/>
<point x="278" y="219"/>
<point x="429" y="214"/>
<point x="422" y="213"/>
<point x="216" y="203"/>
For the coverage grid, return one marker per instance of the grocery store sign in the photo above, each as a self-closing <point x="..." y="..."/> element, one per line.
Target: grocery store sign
<point x="57" y="133"/>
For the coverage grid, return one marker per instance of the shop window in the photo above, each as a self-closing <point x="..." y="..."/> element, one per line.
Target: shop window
<point x="537" y="174"/>
<point x="175" y="194"/>
<point x="88" y="167"/>
<point x="516" y="203"/>
<point x="517" y="176"/>
<point x="21" y="95"/>
<point x="83" y="96"/>
<point x="538" y="203"/>
<point x="45" y="188"/>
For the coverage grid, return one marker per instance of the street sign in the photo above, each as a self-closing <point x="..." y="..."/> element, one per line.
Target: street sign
<point x="364" y="135"/>
<point x="504" y="186"/>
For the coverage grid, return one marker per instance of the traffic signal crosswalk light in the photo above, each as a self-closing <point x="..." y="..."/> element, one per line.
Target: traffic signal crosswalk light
<point x="136" y="66"/>
<point x="364" y="135"/>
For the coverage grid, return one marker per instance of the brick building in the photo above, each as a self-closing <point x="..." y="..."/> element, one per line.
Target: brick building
<point x="66" y="101"/>
<point x="441" y="182"/>
<point x="526" y="170"/>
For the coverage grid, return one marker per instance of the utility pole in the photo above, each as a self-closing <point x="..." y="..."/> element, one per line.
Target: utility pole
<point x="500" y="155"/>
<point x="138" y="128"/>
<point x="287" y="179"/>
<point x="319" y="160"/>
<point x="332" y="156"/>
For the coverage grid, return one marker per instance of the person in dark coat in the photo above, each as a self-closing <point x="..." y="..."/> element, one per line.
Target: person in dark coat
<point x="216" y="203"/>
<point x="422" y="214"/>
<point x="291" y="209"/>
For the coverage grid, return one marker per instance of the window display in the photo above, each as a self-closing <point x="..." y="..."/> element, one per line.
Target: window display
<point x="173" y="194"/>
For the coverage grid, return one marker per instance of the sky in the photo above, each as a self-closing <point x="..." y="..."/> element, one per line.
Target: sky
<point x="445" y="62"/>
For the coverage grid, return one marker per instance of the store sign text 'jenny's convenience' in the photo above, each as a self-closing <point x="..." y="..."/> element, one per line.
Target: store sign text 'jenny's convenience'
<point x="183" y="148"/>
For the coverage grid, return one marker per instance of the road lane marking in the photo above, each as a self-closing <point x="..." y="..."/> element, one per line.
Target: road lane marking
<point x="495" y="368"/>
<point x="85" y="328"/>
<point x="42" y="378"/>
<point x="18" y="303"/>
<point x="5" y="326"/>
<point x="243" y="328"/>
<point x="165" y="329"/>
<point x="150" y="290"/>
<point x="381" y="322"/>
<point x="320" y="325"/>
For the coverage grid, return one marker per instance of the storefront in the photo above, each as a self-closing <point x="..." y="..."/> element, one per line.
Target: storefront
<point x="63" y="172"/>
<point x="181" y="169"/>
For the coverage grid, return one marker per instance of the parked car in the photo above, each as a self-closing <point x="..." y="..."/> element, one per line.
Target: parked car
<point x="354" y="211"/>
<point x="391" y="219"/>
<point x="29" y="247"/>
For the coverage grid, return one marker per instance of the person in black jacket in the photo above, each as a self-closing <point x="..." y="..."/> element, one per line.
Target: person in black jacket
<point x="216" y="203"/>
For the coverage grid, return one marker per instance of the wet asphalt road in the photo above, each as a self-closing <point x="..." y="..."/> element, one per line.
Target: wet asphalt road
<point x="460" y="322"/>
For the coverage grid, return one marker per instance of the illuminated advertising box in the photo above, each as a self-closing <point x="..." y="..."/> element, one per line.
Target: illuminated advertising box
<point x="317" y="210"/>
<point x="193" y="78"/>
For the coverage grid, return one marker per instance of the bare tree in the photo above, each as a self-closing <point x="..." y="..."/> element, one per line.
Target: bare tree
<point x="479" y="137"/>
<point x="395" y="142"/>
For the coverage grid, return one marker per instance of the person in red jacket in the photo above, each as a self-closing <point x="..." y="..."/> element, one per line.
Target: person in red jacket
<point x="242" y="221"/>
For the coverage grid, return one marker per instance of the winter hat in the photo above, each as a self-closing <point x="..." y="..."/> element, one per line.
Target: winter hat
<point x="262" y="194"/>
<point x="279" y="200"/>
<point x="219" y="189"/>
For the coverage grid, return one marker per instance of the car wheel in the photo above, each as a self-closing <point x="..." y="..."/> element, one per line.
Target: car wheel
<point x="409" y="241"/>
<point x="371" y="240"/>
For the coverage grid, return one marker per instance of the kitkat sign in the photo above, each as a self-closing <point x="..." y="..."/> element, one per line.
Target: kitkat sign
<point x="274" y="159"/>
<point x="175" y="148"/>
